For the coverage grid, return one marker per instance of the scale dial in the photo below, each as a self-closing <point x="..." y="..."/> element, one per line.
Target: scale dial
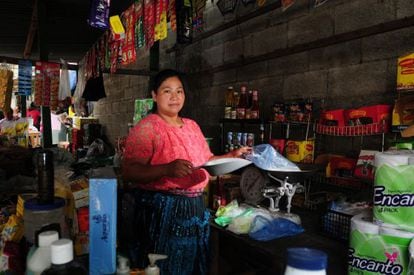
<point x="251" y="183"/>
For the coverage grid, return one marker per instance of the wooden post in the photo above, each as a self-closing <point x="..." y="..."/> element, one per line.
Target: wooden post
<point x="44" y="56"/>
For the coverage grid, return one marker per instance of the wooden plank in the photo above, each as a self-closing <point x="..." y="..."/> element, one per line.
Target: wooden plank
<point x="31" y="34"/>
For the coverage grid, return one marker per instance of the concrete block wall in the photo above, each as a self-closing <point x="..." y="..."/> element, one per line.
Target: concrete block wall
<point x="352" y="73"/>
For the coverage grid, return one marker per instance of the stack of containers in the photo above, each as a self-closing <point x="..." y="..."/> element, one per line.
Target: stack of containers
<point x="379" y="239"/>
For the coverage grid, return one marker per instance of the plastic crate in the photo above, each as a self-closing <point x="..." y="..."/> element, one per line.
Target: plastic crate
<point x="336" y="225"/>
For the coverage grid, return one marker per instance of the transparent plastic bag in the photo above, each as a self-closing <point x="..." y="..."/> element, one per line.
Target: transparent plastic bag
<point x="264" y="229"/>
<point x="267" y="158"/>
<point x="241" y="224"/>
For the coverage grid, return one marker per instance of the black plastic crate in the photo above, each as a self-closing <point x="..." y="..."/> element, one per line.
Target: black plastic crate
<point x="336" y="225"/>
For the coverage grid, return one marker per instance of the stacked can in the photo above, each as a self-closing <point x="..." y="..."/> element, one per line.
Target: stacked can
<point x="236" y="140"/>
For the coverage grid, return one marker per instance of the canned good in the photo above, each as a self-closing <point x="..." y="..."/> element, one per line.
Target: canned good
<point x="233" y="114"/>
<point x="250" y="139"/>
<point x="235" y="140"/>
<point x="239" y="139"/>
<point x="229" y="137"/>
<point x="244" y="139"/>
<point x="227" y="112"/>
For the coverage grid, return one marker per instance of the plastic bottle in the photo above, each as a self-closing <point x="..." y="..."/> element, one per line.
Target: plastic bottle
<point x="123" y="266"/>
<point x="41" y="257"/>
<point x="62" y="260"/>
<point x="306" y="261"/>
<point x="152" y="268"/>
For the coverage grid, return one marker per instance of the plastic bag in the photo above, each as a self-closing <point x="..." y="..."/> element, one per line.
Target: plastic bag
<point x="241" y="224"/>
<point x="267" y="158"/>
<point x="264" y="229"/>
<point x="225" y="214"/>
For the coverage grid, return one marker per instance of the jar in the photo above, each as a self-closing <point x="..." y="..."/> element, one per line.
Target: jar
<point x="306" y="261"/>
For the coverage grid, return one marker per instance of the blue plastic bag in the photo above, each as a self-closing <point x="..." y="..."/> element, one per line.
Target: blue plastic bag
<point x="267" y="158"/>
<point x="264" y="229"/>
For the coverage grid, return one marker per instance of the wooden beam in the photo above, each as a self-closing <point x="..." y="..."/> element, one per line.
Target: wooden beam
<point x="32" y="32"/>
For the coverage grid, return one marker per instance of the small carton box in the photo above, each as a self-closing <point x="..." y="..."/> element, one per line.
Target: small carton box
<point x="405" y="73"/>
<point x="102" y="221"/>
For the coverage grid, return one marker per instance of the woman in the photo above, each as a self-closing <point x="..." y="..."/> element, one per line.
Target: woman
<point x="161" y="157"/>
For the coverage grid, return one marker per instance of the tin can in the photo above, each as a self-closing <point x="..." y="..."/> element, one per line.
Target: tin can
<point x="250" y="139"/>
<point x="227" y="112"/>
<point x="239" y="139"/>
<point x="235" y="141"/>
<point x="244" y="139"/>
<point x="229" y="137"/>
<point x="233" y="114"/>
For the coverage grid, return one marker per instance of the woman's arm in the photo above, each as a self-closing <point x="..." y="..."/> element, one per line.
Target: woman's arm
<point x="140" y="171"/>
<point x="235" y="153"/>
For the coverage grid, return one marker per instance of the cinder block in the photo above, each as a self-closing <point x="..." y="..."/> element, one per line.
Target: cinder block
<point x="214" y="55"/>
<point x="335" y="56"/>
<point x="224" y="77"/>
<point x="233" y="50"/>
<point x="388" y="45"/>
<point x="405" y="8"/>
<point x="309" y="84"/>
<point x="355" y="15"/>
<point x="252" y="71"/>
<point x="268" y="40"/>
<point x="317" y="25"/>
<point x="358" y="81"/>
<point x="290" y="64"/>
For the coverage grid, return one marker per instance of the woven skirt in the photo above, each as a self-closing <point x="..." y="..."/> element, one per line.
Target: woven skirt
<point x="174" y="225"/>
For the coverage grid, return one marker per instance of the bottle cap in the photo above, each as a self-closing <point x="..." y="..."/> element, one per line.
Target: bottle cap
<point x="307" y="258"/>
<point x="62" y="251"/>
<point x="47" y="238"/>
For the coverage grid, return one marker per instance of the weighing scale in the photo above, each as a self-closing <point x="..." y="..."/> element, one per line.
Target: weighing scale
<point x="257" y="184"/>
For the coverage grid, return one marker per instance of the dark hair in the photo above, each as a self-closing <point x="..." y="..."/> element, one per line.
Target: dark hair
<point x="161" y="76"/>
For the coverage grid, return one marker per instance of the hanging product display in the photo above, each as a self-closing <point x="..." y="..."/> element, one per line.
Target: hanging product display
<point x="6" y="87"/>
<point x="47" y="84"/>
<point x="149" y="22"/>
<point x="184" y="21"/>
<point x="25" y="77"/>
<point x="128" y="44"/>
<point x="172" y="15"/>
<point x="99" y="14"/>
<point x="160" y="20"/>
<point x="139" y="24"/>
<point x="117" y="28"/>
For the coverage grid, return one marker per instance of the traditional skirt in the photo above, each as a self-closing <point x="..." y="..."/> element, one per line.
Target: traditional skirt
<point x="174" y="225"/>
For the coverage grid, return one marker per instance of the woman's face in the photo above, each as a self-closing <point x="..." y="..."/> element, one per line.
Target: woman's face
<point x="170" y="96"/>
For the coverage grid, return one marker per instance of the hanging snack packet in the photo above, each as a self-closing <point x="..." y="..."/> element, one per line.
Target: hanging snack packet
<point x="99" y="14"/>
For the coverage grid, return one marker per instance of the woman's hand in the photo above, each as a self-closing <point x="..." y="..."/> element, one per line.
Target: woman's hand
<point x="237" y="153"/>
<point x="179" y="168"/>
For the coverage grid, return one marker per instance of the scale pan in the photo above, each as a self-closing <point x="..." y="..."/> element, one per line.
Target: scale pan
<point x="225" y="165"/>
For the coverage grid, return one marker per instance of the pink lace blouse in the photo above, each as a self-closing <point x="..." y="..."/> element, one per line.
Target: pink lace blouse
<point x="162" y="143"/>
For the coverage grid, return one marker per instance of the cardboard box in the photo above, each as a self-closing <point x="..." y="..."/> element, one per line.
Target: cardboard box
<point x="80" y="192"/>
<point x="405" y="73"/>
<point x="102" y="221"/>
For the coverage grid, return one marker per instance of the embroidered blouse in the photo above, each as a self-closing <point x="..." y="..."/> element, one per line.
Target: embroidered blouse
<point x="162" y="143"/>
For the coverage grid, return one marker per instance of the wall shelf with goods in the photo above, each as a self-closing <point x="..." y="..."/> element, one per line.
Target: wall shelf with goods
<point x="245" y="132"/>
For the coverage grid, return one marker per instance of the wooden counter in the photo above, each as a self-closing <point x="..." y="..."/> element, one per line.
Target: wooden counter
<point x="239" y="254"/>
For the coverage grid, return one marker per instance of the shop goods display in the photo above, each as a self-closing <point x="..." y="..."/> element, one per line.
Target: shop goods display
<point x="367" y="120"/>
<point x="393" y="190"/>
<point x="6" y="87"/>
<point x="376" y="249"/>
<point x="102" y="221"/>
<point x="405" y="73"/>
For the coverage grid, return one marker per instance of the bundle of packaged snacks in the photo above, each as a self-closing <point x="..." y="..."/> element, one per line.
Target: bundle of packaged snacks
<point x="6" y="88"/>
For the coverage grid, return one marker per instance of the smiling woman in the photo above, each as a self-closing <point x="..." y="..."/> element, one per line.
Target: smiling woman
<point x="163" y="159"/>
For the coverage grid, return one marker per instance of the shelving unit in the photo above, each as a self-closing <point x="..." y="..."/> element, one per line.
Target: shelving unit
<point x="240" y="125"/>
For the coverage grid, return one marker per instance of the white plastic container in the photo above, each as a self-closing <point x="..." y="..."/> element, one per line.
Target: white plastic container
<point x="41" y="257"/>
<point x="123" y="266"/>
<point x="152" y="268"/>
<point x="306" y="261"/>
